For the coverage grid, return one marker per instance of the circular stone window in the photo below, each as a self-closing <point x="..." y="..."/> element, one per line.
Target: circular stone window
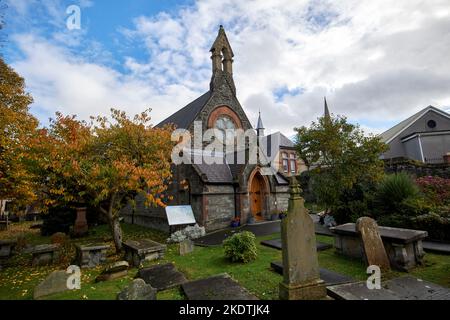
<point x="431" y="124"/>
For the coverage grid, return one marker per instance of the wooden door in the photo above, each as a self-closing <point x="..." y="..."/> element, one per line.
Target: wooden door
<point x="256" y="191"/>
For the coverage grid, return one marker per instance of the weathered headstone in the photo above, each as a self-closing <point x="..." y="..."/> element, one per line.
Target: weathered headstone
<point x="137" y="290"/>
<point x="301" y="278"/>
<point x="186" y="247"/>
<point x="56" y="282"/>
<point x="372" y="244"/>
<point x="81" y="226"/>
<point x="114" y="271"/>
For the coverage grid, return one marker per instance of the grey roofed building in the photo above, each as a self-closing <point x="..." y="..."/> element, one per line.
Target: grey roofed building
<point x="424" y="136"/>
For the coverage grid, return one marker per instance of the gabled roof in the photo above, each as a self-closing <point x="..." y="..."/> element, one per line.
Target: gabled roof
<point x="185" y="116"/>
<point x="396" y="130"/>
<point x="281" y="138"/>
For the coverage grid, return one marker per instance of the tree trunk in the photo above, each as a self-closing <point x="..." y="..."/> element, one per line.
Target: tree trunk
<point x="114" y="224"/>
<point x="116" y="231"/>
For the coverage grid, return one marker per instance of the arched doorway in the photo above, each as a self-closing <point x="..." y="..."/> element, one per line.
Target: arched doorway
<point x="258" y="193"/>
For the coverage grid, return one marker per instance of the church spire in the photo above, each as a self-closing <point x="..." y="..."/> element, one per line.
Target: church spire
<point x="260" y="127"/>
<point x="222" y="60"/>
<point x="327" y="111"/>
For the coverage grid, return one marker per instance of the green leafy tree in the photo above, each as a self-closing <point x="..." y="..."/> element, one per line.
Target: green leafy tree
<point x="338" y="155"/>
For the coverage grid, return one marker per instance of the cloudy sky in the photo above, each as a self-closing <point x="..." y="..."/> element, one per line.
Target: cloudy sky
<point x="376" y="61"/>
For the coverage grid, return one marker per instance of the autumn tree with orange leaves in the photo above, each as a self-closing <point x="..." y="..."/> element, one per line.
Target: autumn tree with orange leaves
<point x="106" y="162"/>
<point x="17" y="127"/>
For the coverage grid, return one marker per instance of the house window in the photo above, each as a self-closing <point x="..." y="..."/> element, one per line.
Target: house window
<point x="285" y="162"/>
<point x="293" y="163"/>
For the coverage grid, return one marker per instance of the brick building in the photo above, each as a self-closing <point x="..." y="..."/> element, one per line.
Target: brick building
<point x="220" y="192"/>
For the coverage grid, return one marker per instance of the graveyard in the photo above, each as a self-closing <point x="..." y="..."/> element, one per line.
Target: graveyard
<point x="259" y="277"/>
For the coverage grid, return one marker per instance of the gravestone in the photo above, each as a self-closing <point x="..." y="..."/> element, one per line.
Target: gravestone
<point x="138" y="251"/>
<point x="137" y="290"/>
<point x="372" y="244"/>
<point x="301" y="277"/>
<point x="220" y="287"/>
<point x="162" y="277"/>
<point x="45" y="254"/>
<point x="91" y="255"/>
<point x="81" y="227"/>
<point x="330" y="278"/>
<point x="186" y="247"/>
<point x="114" y="271"/>
<point x="402" y="288"/>
<point x="56" y="282"/>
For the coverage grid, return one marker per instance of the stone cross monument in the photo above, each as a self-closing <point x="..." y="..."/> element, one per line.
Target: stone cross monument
<point x="301" y="278"/>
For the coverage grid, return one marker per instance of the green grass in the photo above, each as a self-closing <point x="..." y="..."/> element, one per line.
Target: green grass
<point x="18" y="281"/>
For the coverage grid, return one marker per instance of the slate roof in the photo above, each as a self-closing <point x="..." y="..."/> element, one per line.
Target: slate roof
<point x="393" y="132"/>
<point x="283" y="140"/>
<point x="185" y="116"/>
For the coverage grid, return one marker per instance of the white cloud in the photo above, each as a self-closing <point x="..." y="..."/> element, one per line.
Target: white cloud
<point x="373" y="59"/>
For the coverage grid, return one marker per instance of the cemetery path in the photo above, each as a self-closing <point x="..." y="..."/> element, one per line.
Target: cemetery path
<point x="259" y="229"/>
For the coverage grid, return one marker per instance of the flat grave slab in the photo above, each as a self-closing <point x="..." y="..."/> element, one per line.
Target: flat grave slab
<point x="397" y="235"/>
<point x="276" y="244"/>
<point x="359" y="291"/>
<point x="219" y="287"/>
<point x="403" y="246"/>
<point x="411" y="288"/>
<point x="162" y="277"/>
<point x="137" y="251"/>
<point x="402" y="288"/>
<point x="331" y="278"/>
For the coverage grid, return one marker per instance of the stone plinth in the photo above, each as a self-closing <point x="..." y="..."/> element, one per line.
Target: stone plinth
<point x="403" y="246"/>
<point x="91" y="255"/>
<point x="301" y="277"/>
<point x="45" y="254"/>
<point x="139" y="251"/>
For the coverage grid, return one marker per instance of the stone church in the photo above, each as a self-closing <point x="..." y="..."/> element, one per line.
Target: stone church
<point x="218" y="193"/>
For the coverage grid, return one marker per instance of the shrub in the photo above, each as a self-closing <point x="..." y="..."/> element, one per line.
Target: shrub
<point x="393" y="190"/>
<point x="435" y="189"/>
<point x="241" y="247"/>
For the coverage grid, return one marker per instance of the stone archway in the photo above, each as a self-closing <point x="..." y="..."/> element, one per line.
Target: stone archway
<point x="258" y="195"/>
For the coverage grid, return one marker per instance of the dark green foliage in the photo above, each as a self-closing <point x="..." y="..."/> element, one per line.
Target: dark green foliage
<point x="241" y="247"/>
<point x="393" y="190"/>
<point x="58" y="219"/>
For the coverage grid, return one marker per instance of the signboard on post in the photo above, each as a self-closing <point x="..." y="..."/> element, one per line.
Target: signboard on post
<point x="179" y="215"/>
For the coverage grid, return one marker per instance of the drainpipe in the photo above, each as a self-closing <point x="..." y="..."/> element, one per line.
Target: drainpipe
<point x="421" y="149"/>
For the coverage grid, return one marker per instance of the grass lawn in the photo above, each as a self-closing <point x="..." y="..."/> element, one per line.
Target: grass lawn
<point x="18" y="280"/>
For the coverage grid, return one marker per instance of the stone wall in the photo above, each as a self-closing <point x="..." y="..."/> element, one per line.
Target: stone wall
<point x="418" y="169"/>
<point x="220" y="207"/>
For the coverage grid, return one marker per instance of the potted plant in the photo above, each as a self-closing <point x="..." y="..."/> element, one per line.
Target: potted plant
<point x="236" y="222"/>
<point x="274" y="216"/>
